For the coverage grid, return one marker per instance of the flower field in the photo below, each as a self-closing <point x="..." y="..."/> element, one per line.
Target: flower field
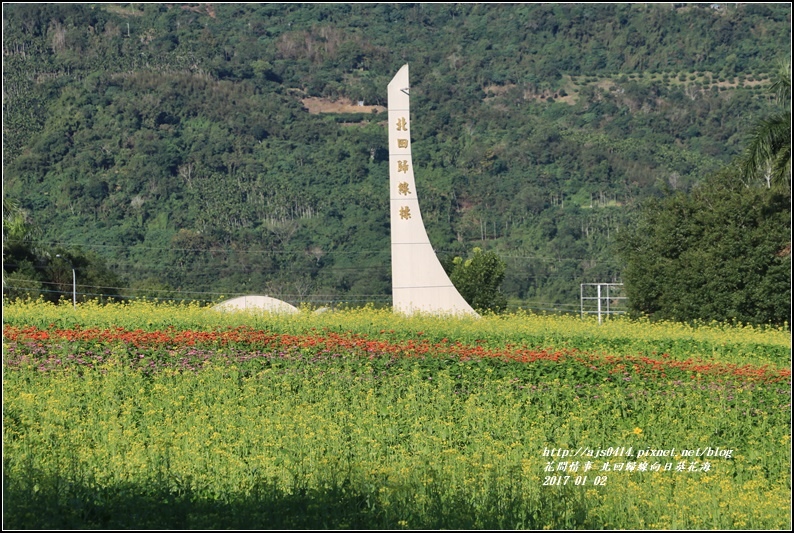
<point x="141" y="415"/>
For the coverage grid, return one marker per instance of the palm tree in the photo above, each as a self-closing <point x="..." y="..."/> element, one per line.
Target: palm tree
<point x="17" y="224"/>
<point x="20" y="238"/>
<point x="769" y="150"/>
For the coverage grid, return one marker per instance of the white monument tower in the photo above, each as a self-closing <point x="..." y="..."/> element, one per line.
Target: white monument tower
<point x="419" y="283"/>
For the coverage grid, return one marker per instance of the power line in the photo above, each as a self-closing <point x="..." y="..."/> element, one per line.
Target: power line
<point x="132" y="293"/>
<point x="319" y="298"/>
<point x="198" y="268"/>
<point x="134" y="265"/>
<point x="134" y="289"/>
<point x="323" y="253"/>
<point x="207" y="250"/>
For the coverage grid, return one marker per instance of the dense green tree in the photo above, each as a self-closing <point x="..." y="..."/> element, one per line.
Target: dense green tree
<point x="30" y="270"/>
<point x="91" y="279"/>
<point x="720" y="252"/>
<point x="478" y="279"/>
<point x="20" y="277"/>
<point x="18" y="227"/>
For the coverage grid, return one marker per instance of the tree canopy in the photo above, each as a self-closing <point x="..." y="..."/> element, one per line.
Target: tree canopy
<point x="721" y="252"/>
<point x="478" y="279"/>
<point x="220" y="149"/>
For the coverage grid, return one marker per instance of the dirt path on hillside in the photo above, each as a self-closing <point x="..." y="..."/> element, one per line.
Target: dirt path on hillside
<point x="343" y="105"/>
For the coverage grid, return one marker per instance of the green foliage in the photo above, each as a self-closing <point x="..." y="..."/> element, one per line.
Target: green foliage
<point x="769" y="150"/>
<point x="30" y="270"/>
<point x="19" y="252"/>
<point x="18" y="226"/>
<point x="478" y="280"/>
<point x="176" y="142"/>
<point x="721" y="252"/>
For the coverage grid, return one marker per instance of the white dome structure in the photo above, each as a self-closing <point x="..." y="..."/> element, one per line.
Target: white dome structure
<point x="257" y="303"/>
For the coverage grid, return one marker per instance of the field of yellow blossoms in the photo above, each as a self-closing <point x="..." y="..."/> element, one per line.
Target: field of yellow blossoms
<point x="175" y="416"/>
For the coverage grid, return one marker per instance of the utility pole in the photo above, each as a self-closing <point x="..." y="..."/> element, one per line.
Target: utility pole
<point x="74" y="281"/>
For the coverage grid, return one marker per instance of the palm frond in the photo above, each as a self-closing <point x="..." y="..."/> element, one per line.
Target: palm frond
<point x="769" y="147"/>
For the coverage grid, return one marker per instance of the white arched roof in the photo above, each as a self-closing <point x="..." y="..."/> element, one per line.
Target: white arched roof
<point x="255" y="302"/>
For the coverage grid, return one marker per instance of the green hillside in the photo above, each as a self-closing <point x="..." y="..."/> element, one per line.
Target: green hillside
<point x="200" y="150"/>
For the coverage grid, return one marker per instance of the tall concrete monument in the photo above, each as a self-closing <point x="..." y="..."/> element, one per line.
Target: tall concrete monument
<point x="419" y="282"/>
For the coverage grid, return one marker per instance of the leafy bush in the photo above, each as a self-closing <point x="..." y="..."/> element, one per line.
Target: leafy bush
<point x="478" y="280"/>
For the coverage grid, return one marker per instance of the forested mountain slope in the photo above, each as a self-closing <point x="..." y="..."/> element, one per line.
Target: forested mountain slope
<point x="202" y="149"/>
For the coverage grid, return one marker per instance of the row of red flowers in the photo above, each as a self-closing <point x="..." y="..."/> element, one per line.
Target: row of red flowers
<point x="351" y="342"/>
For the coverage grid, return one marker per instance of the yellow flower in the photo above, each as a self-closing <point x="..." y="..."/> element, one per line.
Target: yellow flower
<point x="637" y="431"/>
